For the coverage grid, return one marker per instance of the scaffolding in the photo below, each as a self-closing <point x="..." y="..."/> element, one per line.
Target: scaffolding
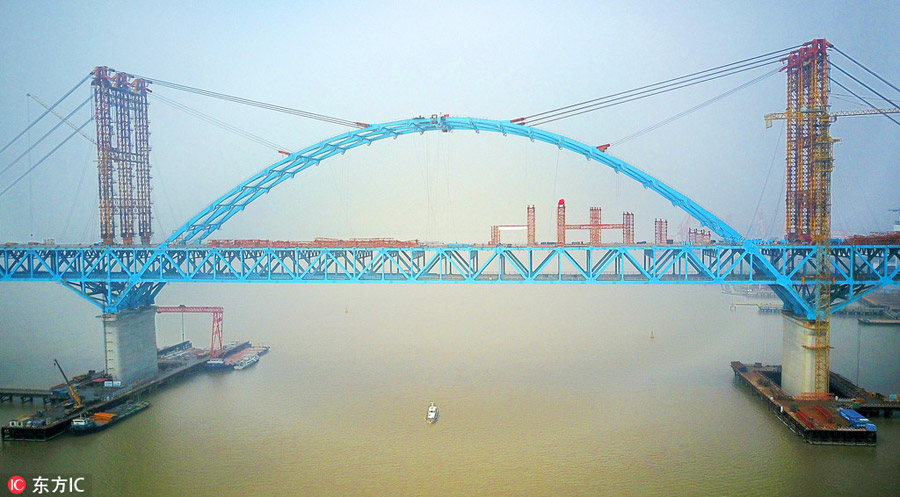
<point x="699" y="236"/>
<point x="123" y="156"/>
<point x="595" y="226"/>
<point x="660" y="232"/>
<point x="810" y="161"/>
<point x="528" y="227"/>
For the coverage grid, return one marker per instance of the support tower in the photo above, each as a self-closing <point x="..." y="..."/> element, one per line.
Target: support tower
<point x="123" y="155"/>
<point x="808" y="182"/>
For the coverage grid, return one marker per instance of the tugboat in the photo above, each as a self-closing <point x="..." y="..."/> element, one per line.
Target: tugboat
<point x="432" y="416"/>
<point x="246" y="361"/>
<point x="103" y="420"/>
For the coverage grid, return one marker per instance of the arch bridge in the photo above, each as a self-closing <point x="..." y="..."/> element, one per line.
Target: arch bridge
<point x="117" y="278"/>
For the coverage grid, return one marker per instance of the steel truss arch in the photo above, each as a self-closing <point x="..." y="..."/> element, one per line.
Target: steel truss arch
<point x="215" y="215"/>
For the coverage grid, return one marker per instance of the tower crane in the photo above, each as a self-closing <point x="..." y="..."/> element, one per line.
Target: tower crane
<point x="832" y="115"/>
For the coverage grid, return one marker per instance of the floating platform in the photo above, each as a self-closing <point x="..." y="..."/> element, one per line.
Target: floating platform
<point x="55" y="420"/>
<point x="815" y="418"/>
<point x="880" y="322"/>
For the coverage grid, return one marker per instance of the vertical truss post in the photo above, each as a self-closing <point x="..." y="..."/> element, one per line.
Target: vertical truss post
<point x="142" y="162"/>
<point x="561" y="223"/>
<point x="103" y="122"/>
<point x="495" y="235"/>
<point x="530" y="222"/>
<point x="596" y="236"/>
<point x="628" y="228"/>
<point x="124" y="156"/>
<point x="660" y="231"/>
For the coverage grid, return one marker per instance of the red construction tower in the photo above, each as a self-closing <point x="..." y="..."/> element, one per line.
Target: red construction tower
<point x="530" y="222"/>
<point x="699" y="236"/>
<point x="561" y="223"/>
<point x="595" y="226"/>
<point x="528" y="227"/>
<point x="809" y="158"/>
<point x="123" y="155"/>
<point x="660" y="232"/>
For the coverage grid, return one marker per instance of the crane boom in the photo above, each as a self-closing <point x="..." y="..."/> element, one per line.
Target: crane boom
<point x="75" y="397"/>
<point x="848" y="113"/>
<point x="62" y="118"/>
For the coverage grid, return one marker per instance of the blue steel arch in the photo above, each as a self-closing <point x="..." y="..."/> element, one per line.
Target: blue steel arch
<point x="211" y="218"/>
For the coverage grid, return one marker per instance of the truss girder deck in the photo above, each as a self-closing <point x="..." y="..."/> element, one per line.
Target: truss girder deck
<point x="118" y="278"/>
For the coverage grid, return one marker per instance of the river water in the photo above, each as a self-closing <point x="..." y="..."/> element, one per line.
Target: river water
<point x="543" y="390"/>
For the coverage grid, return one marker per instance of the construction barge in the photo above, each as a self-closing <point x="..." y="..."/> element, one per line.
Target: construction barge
<point x="101" y="394"/>
<point x="819" y="419"/>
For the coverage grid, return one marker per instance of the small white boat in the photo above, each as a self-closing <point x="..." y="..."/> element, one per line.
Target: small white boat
<point x="432" y="416"/>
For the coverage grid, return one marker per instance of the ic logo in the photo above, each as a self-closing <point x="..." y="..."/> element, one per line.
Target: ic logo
<point x="16" y="484"/>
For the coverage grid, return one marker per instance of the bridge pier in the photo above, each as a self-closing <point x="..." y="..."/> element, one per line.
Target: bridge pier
<point x="798" y="357"/>
<point x="130" y="338"/>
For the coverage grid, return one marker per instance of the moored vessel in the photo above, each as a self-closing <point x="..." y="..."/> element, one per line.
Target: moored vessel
<point x="246" y="361"/>
<point x="101" y="420"/>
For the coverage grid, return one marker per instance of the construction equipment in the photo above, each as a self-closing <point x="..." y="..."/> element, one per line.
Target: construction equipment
<point x="833" y="115"/>
<point x="218" y="313"/>
<point x="62" y="118"/>
<point x="75" y="397"/>
<point x="810" y="162"/>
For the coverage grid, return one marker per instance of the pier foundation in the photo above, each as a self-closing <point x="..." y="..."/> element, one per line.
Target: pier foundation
<point x="131" y="344"/>
<point x="798" y="360"/>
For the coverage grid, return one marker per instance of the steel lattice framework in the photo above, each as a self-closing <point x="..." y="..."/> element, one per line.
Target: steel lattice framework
<point x="212" y="218"/>
<point x="218" y="318"/>
<point x="117" y="278"/>
<point x="123" y="155"/>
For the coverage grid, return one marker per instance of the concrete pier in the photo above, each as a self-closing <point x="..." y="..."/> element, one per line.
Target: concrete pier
<point x="131" y="344"/>
<point x="798" y="361"/>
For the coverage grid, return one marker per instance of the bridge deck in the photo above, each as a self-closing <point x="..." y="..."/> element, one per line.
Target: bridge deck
<point x="107" y="275"/>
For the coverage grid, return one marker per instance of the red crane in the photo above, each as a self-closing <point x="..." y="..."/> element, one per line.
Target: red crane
<point x="215" y="346"/>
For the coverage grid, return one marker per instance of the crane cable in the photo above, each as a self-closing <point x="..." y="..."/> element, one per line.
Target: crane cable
<point x="864" y="86"/>
<point x="643" y="94"/>
<point x="209" y="119"/>
<point x="38" y="163"/>
<point x="54" y="128"/>
<point x="45" y="112"/>
<point x="256" y="103"/>
<point x="861" y="98"/>
<point x="694" y="108"/>
<point x="866" y="68"/>
<point x="653" y="89"/>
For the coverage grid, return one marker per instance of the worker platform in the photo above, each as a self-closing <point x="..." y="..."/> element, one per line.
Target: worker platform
<point x="816" y="418"/>
<point x="99" y="393"/>
<point x="7" y="394"/>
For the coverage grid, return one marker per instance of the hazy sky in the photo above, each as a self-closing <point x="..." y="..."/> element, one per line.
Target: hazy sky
<point x="376" y="62"/>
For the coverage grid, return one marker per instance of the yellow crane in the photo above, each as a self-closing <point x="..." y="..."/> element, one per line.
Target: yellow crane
<point x="75" y="397"/>
<point x="833" y="115"/>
